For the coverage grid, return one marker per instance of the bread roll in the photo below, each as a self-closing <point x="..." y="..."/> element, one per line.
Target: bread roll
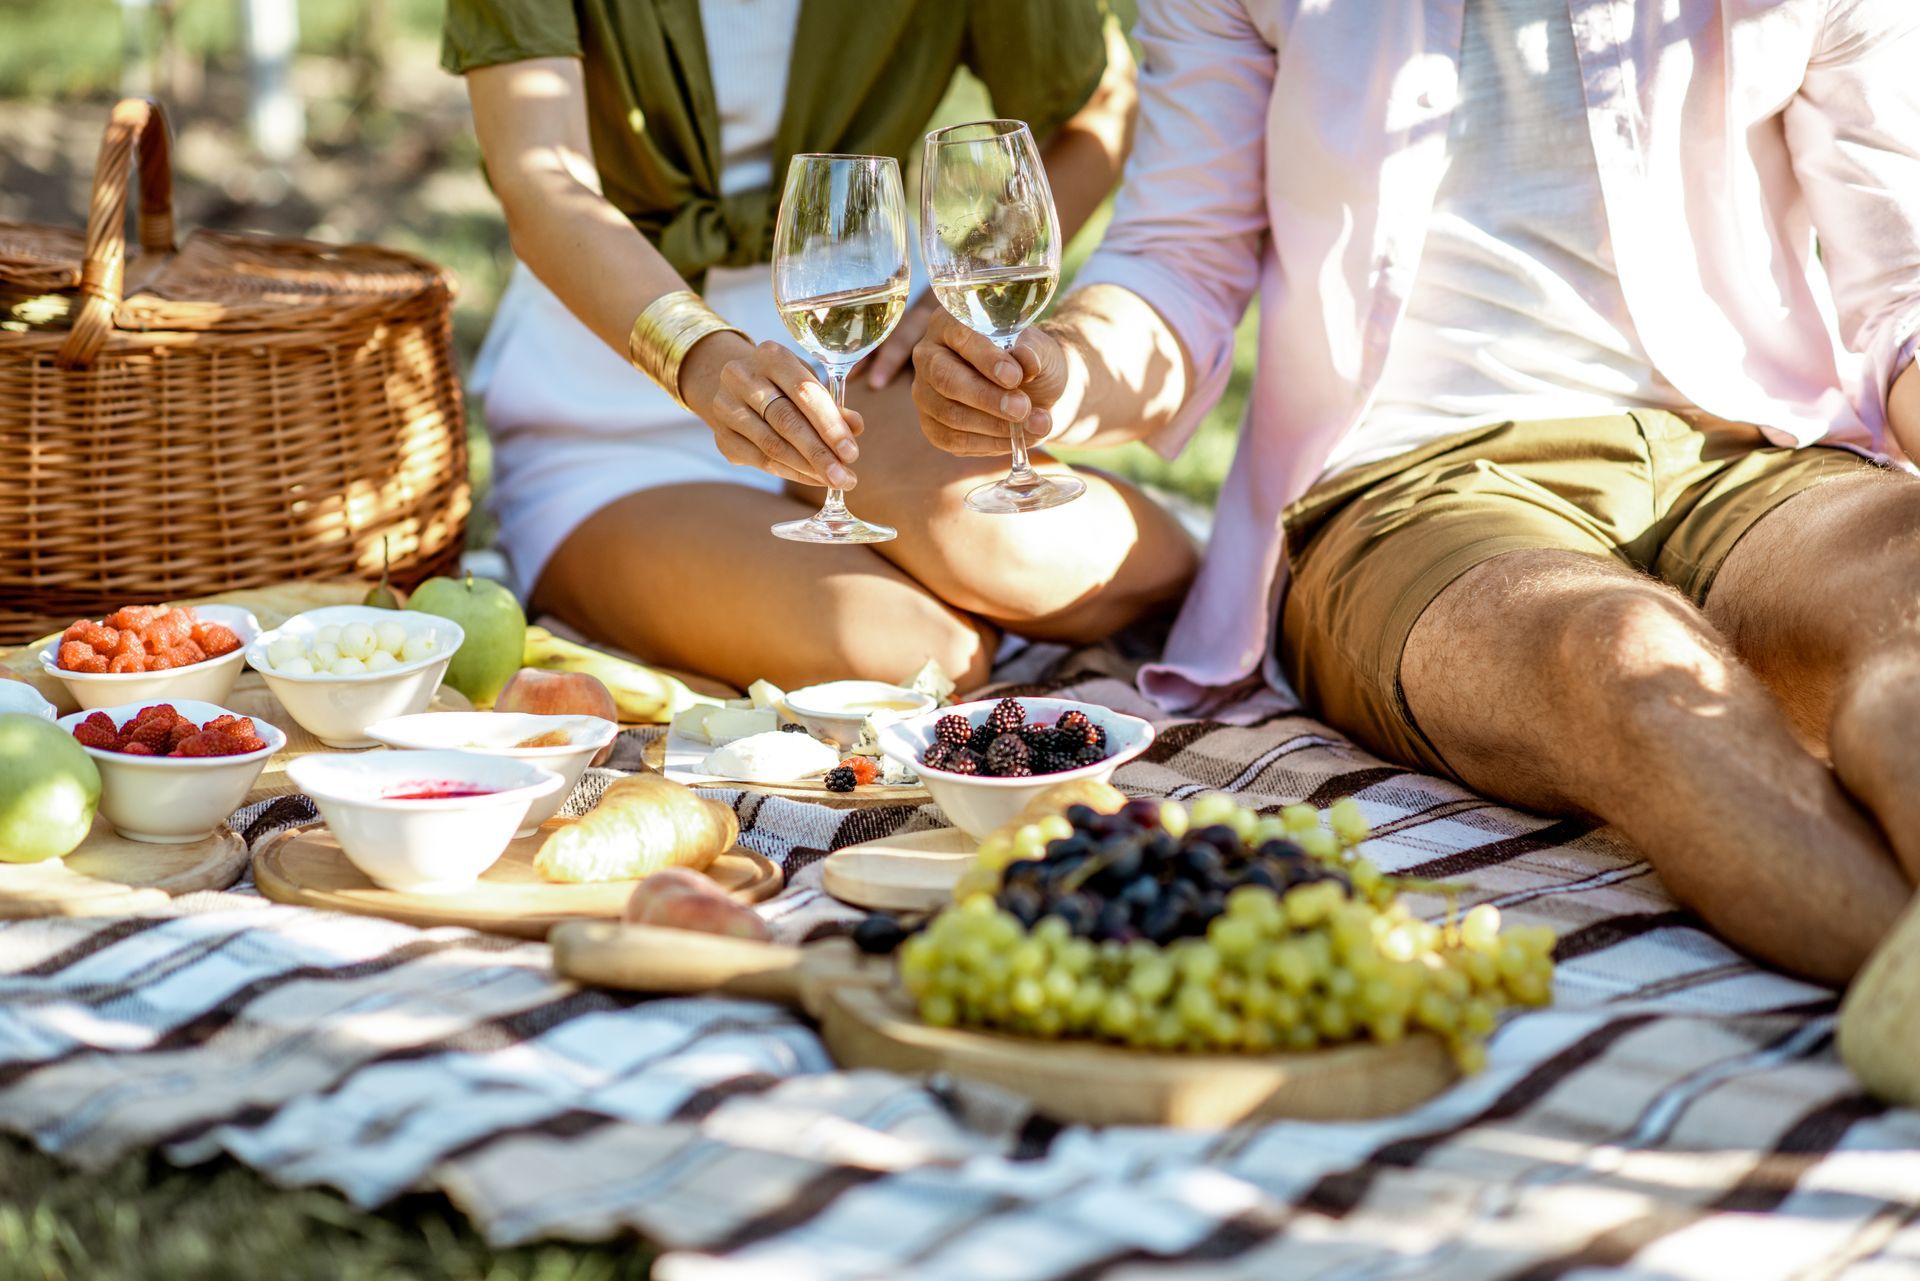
<point x="643" y="823"/>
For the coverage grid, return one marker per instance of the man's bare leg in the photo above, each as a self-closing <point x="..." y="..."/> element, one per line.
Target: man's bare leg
<point x="1822" y="600"/>
<point x="1562" y="682"/>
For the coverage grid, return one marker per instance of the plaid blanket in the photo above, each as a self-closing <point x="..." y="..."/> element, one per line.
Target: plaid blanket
<point x="1677" y="1114"/>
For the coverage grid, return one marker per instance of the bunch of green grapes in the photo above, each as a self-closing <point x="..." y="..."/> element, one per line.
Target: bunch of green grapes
<point x="1212" y="929"/>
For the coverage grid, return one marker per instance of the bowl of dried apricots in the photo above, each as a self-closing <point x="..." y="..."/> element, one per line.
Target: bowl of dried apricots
<point x="170" y="773"/>
<point x="151" y="653"/>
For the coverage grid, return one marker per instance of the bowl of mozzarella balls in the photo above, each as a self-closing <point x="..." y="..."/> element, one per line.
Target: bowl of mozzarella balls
<point x="340" y="669"/>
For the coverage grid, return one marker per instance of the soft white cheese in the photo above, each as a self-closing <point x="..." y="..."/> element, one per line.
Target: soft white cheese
<point x="728" y="724"/>
<point x="766" y="694"/>
<point x="692" y="723"/>
<point x="771" y="758"/>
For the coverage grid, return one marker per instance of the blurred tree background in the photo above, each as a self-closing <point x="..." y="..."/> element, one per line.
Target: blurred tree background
<point x="387" y="153"/>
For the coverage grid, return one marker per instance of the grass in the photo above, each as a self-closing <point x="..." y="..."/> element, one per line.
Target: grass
<point x="144" y="1220"/>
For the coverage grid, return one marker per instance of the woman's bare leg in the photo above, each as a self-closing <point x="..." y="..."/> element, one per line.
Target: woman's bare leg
<point x="688" y="576"/>
<point x="1076" y="573"/>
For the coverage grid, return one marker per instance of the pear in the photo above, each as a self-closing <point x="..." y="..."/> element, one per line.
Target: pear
<point x="384" y="596"/>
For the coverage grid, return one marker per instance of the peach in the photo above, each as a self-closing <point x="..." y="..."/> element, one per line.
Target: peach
<point x="543" y="693"/>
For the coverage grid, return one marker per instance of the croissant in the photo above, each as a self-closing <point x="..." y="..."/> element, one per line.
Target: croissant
<point x="643" y="823"/>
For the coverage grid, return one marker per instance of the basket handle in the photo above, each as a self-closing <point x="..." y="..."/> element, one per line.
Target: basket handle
<point x="103" y="276"/>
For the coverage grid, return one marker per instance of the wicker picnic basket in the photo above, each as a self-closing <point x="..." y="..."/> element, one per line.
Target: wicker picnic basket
<point x="237" y="412"/>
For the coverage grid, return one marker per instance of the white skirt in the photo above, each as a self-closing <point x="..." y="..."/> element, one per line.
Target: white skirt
<point x="574" y="427"/>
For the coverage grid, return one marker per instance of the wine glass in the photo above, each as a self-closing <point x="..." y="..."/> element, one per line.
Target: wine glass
<point x="992" y="241"/>
<point x="840" y="282"/>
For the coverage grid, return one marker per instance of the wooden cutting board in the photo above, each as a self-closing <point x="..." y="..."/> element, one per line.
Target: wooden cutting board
<point x="306" y="867"/>
<point x="676" y="767"/>
<point x="867" y="1022"/>
<point x="910" y="873"/>
<point x="251" y="697"/>
<point x="110" y="875"/>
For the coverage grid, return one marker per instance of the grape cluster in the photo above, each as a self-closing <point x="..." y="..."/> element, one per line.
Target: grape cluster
<point x="1005" y="745"/>
<point x="1211" y="929"/>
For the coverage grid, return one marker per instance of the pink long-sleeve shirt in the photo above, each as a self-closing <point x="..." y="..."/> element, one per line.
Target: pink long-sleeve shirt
<point x="1296" y="146"/>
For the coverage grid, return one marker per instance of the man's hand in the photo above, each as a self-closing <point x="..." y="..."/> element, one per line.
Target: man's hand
<point x="879" y="368"/>
<point x="970" y="393"/>
<point x="766" y="409"/>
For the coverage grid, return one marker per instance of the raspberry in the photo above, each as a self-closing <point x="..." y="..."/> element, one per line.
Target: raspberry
<point x="91" y="634"/>
<point x="88" y="734"/>
<point x="102" y="721"/>
<point x="138" y="749"/>
<point x="133" y="616"/>
<point x="159" y="663"/>
<point x="123" y="663"/>
<point x="166" y="710"/>
<point x="180" y="733"/>
<point x="841" y="779"/>
<point x="1007" y="716"/>
<point x="155" y="733"/>
<point x="1008" y="757"/>
<point x="953" y="730"/>
<point x="172" y="627"/>
<point x="186" y="654"/>
<point x="78" y="656"/>
<point x="215" y="639"/>
<point x="865" y="769"/>
<point x="210" y="743"/>
<point x="253" y="744"/>
<point x="125" y="644"/>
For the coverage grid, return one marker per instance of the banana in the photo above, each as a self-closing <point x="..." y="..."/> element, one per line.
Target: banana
<point x="642" y="694"/>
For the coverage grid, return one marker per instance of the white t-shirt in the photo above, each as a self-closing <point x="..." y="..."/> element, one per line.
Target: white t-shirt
<point x="749" y="53"/>
<point x="1515" y="312"/>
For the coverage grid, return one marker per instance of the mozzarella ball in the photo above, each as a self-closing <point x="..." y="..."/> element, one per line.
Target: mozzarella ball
<point x="392" y="637"/>
<point x="344" y="666"/>
<point x="357" y="641"/>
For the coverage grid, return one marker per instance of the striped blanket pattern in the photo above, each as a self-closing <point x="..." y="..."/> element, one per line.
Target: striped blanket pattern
<point x="1677" y="1114"/>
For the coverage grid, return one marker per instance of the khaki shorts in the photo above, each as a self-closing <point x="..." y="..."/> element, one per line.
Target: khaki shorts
<point x="1373" y="547"/>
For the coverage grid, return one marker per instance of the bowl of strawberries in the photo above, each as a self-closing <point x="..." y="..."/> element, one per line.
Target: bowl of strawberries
<point x="170" y="773"/>
<point x="147" y="653"/>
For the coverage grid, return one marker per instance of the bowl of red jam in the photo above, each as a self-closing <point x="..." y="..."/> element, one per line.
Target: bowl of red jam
<point x="422" y="822"/>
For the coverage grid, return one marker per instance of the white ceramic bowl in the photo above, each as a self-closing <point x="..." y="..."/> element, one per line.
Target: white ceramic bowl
<point x="495" y="733"/>
<point x="836" y="710"/>
<point x="422" y="847"/>
<point x="174" y="800"/>
<point x="207" y="682"/>
<point x="978" y="805"/>
<point x="18" y="696"/>
<point x="337" y="709"/>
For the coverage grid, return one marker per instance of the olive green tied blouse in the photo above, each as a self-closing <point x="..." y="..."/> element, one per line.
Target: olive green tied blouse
<point x="864" y="79"/>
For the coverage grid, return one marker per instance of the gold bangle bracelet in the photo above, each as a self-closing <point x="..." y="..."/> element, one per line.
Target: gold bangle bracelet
<point x="666" y="331"/>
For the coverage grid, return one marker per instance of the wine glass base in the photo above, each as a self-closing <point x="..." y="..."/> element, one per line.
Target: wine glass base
<point x="822" y="528"/>
<point x="1003" y="498"/>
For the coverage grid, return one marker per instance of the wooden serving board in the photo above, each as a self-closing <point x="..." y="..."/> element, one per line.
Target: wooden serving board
<point x="867" y="1023"/>
<point x="251" y="697"/>
<point x="910" y="873"/>
<point x="306" y="867"/>
<point x="673" y="761"/>
<point x="110" y="875"/>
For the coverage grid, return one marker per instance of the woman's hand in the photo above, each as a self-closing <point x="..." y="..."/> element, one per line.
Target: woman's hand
<point x="897" y="350"/>
<point x="767" y="410"/>
<point x="970" y="393"/>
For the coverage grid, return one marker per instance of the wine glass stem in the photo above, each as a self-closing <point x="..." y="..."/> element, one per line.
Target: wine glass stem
<point x="835" y="508"/>
<point x="1021" y="474"/>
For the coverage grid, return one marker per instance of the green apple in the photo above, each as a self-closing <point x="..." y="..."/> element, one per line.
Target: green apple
<point x="49" y="788"/>
<point x="496" y="632"/>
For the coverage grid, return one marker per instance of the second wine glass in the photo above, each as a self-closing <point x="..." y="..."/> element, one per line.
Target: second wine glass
<point x="840" y="282"/>
<point x="992" y="243"/>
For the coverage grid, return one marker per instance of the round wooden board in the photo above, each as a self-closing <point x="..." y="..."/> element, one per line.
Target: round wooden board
<point x="251" y="697"/>
<point x="305" y="866"/>
<point x="110" y="875"/>
<point x="655" y="755"/>
<point x="910" y="873"/>
<point x="1092" y="1084"/>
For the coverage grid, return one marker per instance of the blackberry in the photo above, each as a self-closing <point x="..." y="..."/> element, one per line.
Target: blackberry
<point x="1090" y="755"/>
<point x="1008" y="757"/>
<point x="791" y="728"/>
<point x="1038" y="738"/>
<point x="953" y="730"/>
<point x="963" y="762"/>
<point x="841" y="778"/>
<point x="938" y="753"/>
<point x="1077" y="727"/>
<point x="1007" y="716"/>
<point x="1054" y="761"/>
<point x="981" y="738"/>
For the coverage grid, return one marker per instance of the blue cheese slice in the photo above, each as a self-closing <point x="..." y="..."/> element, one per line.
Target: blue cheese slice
<point x="933" y="681"/>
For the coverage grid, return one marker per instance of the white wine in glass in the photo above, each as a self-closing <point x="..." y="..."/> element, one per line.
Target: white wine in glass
<point x="840" y="283"/>
<point x="992" y="243"/>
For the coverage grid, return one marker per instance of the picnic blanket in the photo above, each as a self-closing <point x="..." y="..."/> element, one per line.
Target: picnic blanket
<point x="1678" y="1113"/>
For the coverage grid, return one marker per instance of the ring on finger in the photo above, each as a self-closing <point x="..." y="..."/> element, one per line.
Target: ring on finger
<point x="770" y="401"/>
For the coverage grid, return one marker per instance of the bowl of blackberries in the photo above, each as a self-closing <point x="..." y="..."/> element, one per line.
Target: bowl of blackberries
<point x="982" y="762"/>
